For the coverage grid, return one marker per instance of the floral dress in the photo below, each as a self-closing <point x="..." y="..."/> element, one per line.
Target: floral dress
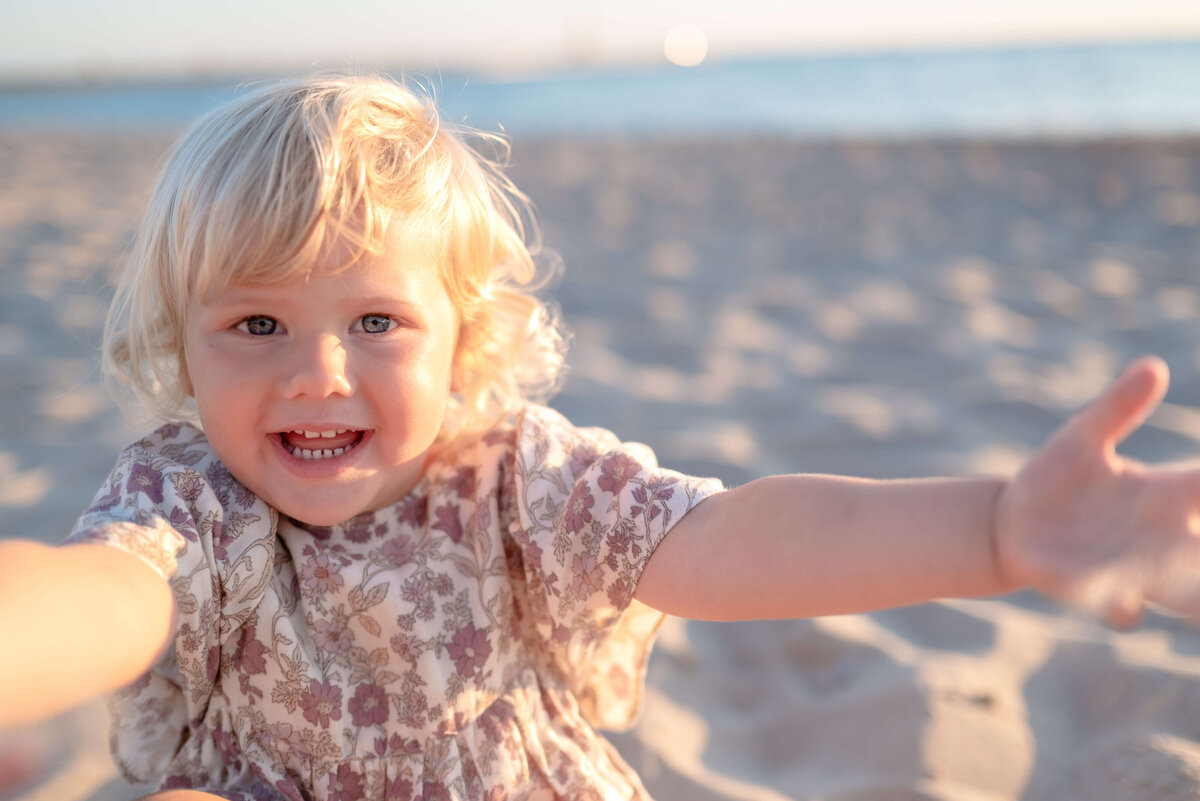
<point x="460" y="644"/>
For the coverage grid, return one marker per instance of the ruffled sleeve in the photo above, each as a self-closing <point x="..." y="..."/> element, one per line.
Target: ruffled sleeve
<point x="590" y="510"/>
<point x="170" y="502"/>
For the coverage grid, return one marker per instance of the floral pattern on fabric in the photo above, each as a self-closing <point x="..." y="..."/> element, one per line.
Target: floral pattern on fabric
<point x="462" y="643"/>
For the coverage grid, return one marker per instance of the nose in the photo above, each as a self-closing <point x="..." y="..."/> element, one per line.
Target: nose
<point x="317" y="368"/>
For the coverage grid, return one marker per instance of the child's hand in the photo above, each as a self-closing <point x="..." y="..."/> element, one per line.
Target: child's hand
<point x="1085" y="525"/>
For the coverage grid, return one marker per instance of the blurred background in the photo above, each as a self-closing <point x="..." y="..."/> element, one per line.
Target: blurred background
<point x="587" y="66"/>
<point x="869" y="237"/>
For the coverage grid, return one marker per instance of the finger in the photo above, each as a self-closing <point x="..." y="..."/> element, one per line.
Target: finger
<point x="1123" y="406"/>
<point x="1181" y="595"/>
<point x="1125" y="610"/>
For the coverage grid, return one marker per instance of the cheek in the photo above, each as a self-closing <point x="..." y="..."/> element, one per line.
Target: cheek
<point x="224" y="399"/>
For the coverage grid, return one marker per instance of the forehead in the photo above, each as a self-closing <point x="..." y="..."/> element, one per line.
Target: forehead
<point x="407" y="257"/>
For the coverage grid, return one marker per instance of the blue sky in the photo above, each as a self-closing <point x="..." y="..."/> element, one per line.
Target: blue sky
<point x="73" y="37"/>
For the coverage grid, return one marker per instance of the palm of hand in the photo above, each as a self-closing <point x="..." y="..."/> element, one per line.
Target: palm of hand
<point x="1082" y="524"/>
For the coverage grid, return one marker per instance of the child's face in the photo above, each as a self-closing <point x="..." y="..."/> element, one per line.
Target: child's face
<point x="361" y="358"/>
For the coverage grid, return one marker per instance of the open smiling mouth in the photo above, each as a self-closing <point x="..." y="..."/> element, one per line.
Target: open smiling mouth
<point x="315" y="445"/>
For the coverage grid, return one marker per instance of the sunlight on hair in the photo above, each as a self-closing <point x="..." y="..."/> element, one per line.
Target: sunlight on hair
<point x="685" y="45"/>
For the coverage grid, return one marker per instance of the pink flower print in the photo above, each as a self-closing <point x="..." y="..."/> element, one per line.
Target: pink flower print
<point x="463" y="482"/>
<point x="657" y="490"/>
<point x="321" y="574"/>
<point x="618" y="594"/>
<point x="398" y="788"/>
<point x="345" y="785"/>
<point x="413" y="510"/>
<point x="398" y="551"/>
<point x="333" y="635"/>
<point x="220" y="480"/>
<point x="578" y="504"/>
<point x="533" y="551"/>
<point x="181" y="521"/>
<point x="449" y="522"/>
<point x="398" y="745"/>
<point x="616" y="471"/>
<point x="106" y="501"/>
<point x="369" y="706"/>
<point x="592" y="574"/>
<point x="145" y="479"/>
<point x="260" y="791"/>
<point x="244" y="497"/>
<point x="493" y="438"/>
<point x="212" y="661"/>
<point x="359" y="528"/>
<point x="470" y="650"/>
<point x="582" y="457"/>
<point x="188" y="485"/>
<point x="220" y="537"/>
<point x="226" y="747"/>
<point x="321" y="703"/>
<point x="248" y="657"/>
<point x="434" y="791"/>
<point x="288" y="788"/>
<point x="407" y="647"/>
<point x="619" y="539"/>
<point x="662" y="488"/>
<point x="283" y="739"/>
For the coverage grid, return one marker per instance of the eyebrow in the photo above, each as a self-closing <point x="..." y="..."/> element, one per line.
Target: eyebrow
<point x="248" y="299"/>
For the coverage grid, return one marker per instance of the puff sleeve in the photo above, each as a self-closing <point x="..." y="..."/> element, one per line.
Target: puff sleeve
<point x="170" y="502"/>
<point x="590" y="510"/>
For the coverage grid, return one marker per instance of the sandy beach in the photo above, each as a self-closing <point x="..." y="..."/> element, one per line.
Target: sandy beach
<point x="746" y="307"/>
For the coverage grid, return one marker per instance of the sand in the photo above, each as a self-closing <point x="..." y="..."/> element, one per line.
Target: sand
<point x="750" y="307"/>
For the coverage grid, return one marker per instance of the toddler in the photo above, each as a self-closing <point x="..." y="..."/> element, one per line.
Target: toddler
<point x="361" y="562"/>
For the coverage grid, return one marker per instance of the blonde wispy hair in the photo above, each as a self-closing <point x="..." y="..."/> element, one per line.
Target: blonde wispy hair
<point x="255" y="190"/>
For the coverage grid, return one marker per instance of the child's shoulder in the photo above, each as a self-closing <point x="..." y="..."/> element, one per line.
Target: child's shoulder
<point x="183" y="443"/>
<point x="176" y="459"/>
<point x="533" y="439"/>
<point x="540" y="424"/>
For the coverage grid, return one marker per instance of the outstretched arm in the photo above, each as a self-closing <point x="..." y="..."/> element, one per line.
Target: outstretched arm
<point x="1083" y="524"/>
<point x="76" y="621"/>
<point x="1078" y="523"/>
<point x="809" y="545"/>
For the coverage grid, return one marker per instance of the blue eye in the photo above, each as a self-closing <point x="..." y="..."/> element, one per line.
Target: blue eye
<point x="376" y="323"/>
<point x="258" y="326"/>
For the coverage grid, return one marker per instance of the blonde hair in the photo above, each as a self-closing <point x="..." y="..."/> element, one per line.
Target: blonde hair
<point x="255" y="190"/>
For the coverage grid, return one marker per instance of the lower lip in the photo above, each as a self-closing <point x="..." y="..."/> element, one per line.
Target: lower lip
<point x="318" y="468"/>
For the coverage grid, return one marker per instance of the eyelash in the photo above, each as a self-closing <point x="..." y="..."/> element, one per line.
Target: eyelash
<point x="359" y="326"/>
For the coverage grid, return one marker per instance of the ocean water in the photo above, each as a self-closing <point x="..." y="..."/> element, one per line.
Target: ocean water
<point x="1067" y="91"/>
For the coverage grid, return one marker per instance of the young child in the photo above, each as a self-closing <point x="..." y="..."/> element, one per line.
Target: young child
<point x="371" y="566"/>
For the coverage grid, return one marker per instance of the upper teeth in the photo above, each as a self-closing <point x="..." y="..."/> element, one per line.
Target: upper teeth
<point x="320" y="434"/>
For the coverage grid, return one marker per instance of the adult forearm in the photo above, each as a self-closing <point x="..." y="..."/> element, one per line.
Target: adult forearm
<point x="806" y="545"/>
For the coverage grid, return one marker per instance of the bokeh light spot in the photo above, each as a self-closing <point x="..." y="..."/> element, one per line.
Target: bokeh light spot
<point x="685" y="45"/>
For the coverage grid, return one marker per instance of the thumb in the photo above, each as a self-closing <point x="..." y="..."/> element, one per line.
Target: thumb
<point x="1123" y="406"/>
